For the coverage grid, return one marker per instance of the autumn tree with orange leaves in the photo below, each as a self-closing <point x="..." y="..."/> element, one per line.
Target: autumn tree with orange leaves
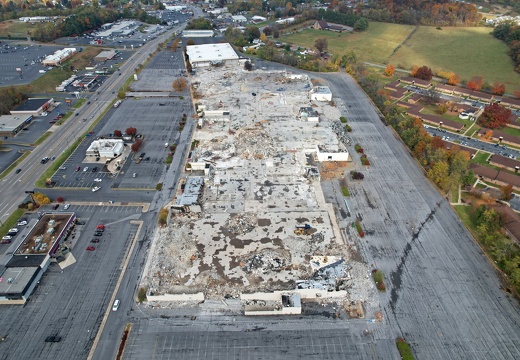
<point x="499" y="88"/>
<point x="454" y="79"/>
<point x="475" y="83"/>
<point x="390" y="70"/>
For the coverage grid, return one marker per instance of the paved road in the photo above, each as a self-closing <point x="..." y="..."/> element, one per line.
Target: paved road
<point x="13" y="185"/>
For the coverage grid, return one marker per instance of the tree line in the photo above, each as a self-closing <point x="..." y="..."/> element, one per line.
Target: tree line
<point x="10" y="97"/>
<point x="510" y="34"/>
<point x="422" y="12"/>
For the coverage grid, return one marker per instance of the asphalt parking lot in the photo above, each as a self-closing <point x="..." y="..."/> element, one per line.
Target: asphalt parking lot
<point x="70" y="303"/>
<point x="161" y="128"/>
<point x="25" y="56"/>
<point x="160" y="73"/>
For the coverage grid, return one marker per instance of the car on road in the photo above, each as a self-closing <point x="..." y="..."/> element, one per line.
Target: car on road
<point x="98" y="233"/>
<point x="85" y="169"/>
<point x="44" y="160"/>
<point x="116" y="305"/>
<point x="66" y="206"/>
<point x="90" y="248"/>
<point x="53" y="338"/>
<point x="21" y="223"/>
<point x="18" y="171"/>
<point x="94" y="241"/>
<point x="96" y="188"/>
<point x="7" y="237"/>
<point x="98" y="180"/>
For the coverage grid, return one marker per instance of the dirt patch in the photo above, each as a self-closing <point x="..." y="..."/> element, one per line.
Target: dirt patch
<point x="333" y="169"/>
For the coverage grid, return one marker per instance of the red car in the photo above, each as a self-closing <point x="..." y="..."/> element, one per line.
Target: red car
<point x="91" y="248"/>
<point x="94" y="240"/>
<point x="100" y="227"/>
<point x="5" y="242"/>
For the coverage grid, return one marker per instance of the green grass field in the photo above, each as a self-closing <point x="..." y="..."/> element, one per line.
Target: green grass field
<point x="16" y="29"/>
<point x="467" y="51"/>
<point x="376" y="44"/>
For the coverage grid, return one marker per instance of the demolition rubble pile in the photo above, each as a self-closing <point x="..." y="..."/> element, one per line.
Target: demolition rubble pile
<point x="249" y="237"/>
<point x="255" y="143"/>
<point x="239" y="224"/>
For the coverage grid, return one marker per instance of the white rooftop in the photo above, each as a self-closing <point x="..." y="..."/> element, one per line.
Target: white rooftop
<point x="211" y="52"/>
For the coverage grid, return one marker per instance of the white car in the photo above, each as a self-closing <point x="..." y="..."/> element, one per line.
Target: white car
<point x="14" y="230"/>
<point x="66" y="206"/>
<point x="96" y="188"/>
<point x="98" y="180"/>
<point x="7" y="237"/>
<point x="22" y="223"/>
<point x="85" y="169"/>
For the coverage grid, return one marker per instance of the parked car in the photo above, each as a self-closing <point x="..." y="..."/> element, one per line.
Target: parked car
<point x="13" y="230"/>
<point x="98" y="233"/>
<point x="90" y="248"/>
<point x="94" y="241"/>
<point x="94" y="169"/>
<point x="6" y="241"/>
<point x="55" y="207"/>
<point x="101" y="226"/>
<point x="7" y="237"/>
<point x="85" y="169"/>
<point x="78" y="168"/>
<point x="22" y="223"/>
<point x="98" y="180"/>
<point x="66" y="206"/>
<point x="96" y="188"/>
<point x="63" y="168"/>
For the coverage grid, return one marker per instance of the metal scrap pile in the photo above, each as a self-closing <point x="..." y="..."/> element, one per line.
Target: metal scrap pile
<point x="266" y="261"/>
<point x="341" y="133"/>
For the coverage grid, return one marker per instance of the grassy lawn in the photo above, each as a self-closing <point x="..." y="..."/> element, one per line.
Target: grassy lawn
<point x="16" y="29"/>
<point x="473" y="130"/>
<point x="454" y="49"/>
<point x="432" y="110"/>
<point x="465" y="214"/>
<point x="14" y="165"/>
<point x="480" y="158"/>
<point x="11" y="221"/>
<point x="376" y="44"/>
<point x="42" y="138"/>
<point x="511" y="131"/>
<point x="449" y="49"/>
<point x="49" y="81"/>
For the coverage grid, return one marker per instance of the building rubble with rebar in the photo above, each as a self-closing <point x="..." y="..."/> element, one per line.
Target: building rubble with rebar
<point x="254" y="224"/>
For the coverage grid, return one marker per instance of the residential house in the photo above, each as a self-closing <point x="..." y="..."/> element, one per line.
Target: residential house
<point x="414" y="81"/>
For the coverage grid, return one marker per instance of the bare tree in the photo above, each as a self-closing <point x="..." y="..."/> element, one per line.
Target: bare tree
<point x="180" y="84"/>
<point x="321" y="44"/>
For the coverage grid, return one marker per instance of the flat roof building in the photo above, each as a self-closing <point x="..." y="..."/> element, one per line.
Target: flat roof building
<point x="108" y="148"/>
<point x="211" y="54"/>
<point x="105" y="55"/>
<point x="33" y="106"/>
<point x="10" y="125"/>
<point x="59" y="56"/>
<point x="321" y="93"/>
<point x="21" y="271"/>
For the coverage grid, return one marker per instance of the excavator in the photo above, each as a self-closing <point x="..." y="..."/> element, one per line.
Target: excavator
<point x="302" y="229"/>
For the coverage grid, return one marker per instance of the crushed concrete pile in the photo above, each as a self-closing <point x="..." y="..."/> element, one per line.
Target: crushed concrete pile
<point x="175" y="249"/>
<point x="254" y="143"/>
<point x="218" y="148"/>
<point x="239" y="224"/>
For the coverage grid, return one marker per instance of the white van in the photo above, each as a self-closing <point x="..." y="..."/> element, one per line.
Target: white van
<point x="116" y="305"/>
